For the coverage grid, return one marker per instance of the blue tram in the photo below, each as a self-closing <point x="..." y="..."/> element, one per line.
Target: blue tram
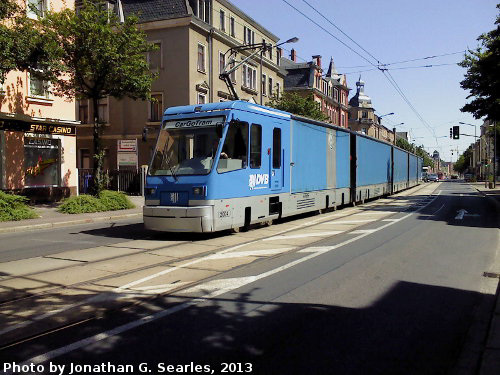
<point x="228" y="165"/>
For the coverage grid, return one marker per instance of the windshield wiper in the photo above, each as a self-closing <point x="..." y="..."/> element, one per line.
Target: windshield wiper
<point x="171" y="169"/>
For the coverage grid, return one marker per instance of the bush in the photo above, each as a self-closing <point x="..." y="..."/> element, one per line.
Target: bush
<point x="81" y="204"/>
<point x="107" y="201"/>
<point x="13" y="207"/>
<point x="115" y="200"/>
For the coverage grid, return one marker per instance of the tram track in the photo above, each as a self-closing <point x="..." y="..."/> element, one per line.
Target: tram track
<point x="147" y="297"/>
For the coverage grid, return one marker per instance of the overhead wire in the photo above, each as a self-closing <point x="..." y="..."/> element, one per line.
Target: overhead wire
<point x="387" y="74"/>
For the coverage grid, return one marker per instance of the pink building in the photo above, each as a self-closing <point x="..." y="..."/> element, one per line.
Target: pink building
<point x="329" y="90"/>
<point x="37" y="133"/>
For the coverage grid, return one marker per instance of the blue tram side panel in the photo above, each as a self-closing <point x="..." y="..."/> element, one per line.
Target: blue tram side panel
<point x="373" y="168"/>
<point x="226" y="165"/>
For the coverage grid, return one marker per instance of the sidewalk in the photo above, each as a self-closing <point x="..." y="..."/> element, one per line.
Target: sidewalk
<point x="49" y="217"/>
<point x="490" y="359"/>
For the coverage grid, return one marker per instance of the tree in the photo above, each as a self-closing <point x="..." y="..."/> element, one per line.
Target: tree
<point x="298" y="105"/>
<point x="463" y="162"/>
<point x="98" y="56"/>
<point x="22" y="46"/>
<point x="482" y="78"/>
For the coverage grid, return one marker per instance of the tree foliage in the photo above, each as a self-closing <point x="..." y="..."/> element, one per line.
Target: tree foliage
<point x="97" y="56"/>
<point x="482" y="78"/>
<point x="22" y="45"/>
<point x="417" y="150"/>
<point x="464" y="161"/>
<point x="298" y="105"/>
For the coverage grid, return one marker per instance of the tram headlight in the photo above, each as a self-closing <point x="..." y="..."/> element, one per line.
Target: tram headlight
<point x="150" y="191"/>
<point x="199" y="190"/>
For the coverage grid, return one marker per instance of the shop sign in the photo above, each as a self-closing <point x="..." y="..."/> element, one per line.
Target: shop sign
<point x="41" y="142"/>
<point x="22" y="126"/>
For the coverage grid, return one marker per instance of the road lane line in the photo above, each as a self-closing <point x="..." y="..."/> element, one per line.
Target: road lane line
<point x="234" y="283"/>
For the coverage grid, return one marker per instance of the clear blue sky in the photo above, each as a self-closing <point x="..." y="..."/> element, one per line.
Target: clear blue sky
<point x="392" y="31"/>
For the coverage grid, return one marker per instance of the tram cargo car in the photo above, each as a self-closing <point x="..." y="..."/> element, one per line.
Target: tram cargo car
<point x="227" y="165"/>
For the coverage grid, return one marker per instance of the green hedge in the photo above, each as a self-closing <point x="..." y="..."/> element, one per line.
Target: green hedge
<point x="107" y="201"/>
<point x="13" y="207"/>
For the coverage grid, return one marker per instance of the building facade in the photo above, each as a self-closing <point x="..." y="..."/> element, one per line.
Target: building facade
<point x="329" y="90"/>
<point x="37" y="132"/>
<point x="192" y="39"/>
<point x="362" y="117"/>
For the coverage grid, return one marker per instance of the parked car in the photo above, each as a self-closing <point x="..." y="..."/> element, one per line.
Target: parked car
<point x="468" y="177"/>
<point x="432" y="177"/>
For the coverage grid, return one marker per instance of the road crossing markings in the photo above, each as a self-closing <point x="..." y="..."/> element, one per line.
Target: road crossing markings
<point x="236" y="282"/>
<point x="304" y="235"/>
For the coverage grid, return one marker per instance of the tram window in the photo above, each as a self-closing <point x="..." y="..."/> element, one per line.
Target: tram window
<point x="255" y="146"/>
<point x="235" y="147"/>
<point x="276" y="148"/>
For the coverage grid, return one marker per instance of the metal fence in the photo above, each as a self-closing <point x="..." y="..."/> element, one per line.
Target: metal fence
<point x="127" y="181"/>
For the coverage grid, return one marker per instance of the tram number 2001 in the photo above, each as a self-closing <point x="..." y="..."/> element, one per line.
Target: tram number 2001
<point x="223" y="214"/>
<point x="233" y="368"/>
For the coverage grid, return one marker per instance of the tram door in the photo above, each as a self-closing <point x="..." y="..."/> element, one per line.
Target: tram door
<point x="276" y="161"/>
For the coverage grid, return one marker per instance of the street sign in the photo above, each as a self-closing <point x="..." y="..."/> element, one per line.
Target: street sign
<point x="127" y="145"/>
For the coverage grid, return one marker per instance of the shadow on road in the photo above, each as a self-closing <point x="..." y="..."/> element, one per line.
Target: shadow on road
<point x="412" y="329"/>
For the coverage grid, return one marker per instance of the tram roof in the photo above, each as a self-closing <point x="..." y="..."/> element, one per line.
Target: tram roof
<point x="224" y="106"/>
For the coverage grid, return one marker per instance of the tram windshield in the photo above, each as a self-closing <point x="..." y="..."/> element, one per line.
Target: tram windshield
<point x="186" y="149"/>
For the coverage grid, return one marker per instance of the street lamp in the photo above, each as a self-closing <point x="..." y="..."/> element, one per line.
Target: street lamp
<point x="387" y="114"/>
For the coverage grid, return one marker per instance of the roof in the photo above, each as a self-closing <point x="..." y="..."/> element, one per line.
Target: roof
<point x="154" y="10"/>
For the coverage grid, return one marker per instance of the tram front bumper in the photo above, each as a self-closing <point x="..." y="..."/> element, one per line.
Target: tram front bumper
<point x="178" y="219"/>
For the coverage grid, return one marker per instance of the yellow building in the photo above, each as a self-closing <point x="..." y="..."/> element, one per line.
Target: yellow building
<point x="37" y="132"/>
<point x="192" y="38"/>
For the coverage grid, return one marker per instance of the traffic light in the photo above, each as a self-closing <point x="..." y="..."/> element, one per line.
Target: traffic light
<point x="451" y="133"/>
<point x="456" y="132"/>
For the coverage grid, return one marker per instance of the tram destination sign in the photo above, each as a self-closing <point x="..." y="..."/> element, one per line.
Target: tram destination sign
<point x="27" y="127"/>
<point x="194" y="123"/>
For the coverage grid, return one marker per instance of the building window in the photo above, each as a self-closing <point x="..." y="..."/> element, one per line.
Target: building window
<point x="255" y="146"/>
<point x="156" y="108"/>
<point x="222" y="62"/>
<point x="84" y="158"/>
<point x="270" y="86"/>
<point x="278" y="90"/>
<point x="249" y="35"/>
<point x="264" y="84"/>
<point x="364" y="114"/>
<point x="42" y="165"/>
<point x="201" y="98"/>
<point x="39" y="87"/>
<point x="343" y="120"/>
<point x="155" y="57"/>
<point x="249" y="77"/>
<point x="37" y="8"/>
<point x="201" y="58"/>
<point x="83" y="111"/>
<point x="222" y="20"/>
<point x="336" y="94"/>
<point x="102" y="111"/>
<point x="231" y="26"/>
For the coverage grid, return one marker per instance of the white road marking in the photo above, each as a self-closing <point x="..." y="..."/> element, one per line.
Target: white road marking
<point x="226" y="285"/>
<point x="362" y="231"/>
<point x="349" y="221"/>
<point x="250" y="253"/>
<point x="304" y="235"/>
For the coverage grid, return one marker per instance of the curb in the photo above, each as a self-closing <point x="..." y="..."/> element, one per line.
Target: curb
<point x="61" y="224"/>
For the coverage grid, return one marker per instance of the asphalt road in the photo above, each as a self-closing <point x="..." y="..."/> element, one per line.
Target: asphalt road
<point x="398" y="299"/>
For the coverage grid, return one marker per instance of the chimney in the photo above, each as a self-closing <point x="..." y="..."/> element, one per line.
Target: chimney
<point x="293" y="55"/>
<point x="317" y="60"/>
